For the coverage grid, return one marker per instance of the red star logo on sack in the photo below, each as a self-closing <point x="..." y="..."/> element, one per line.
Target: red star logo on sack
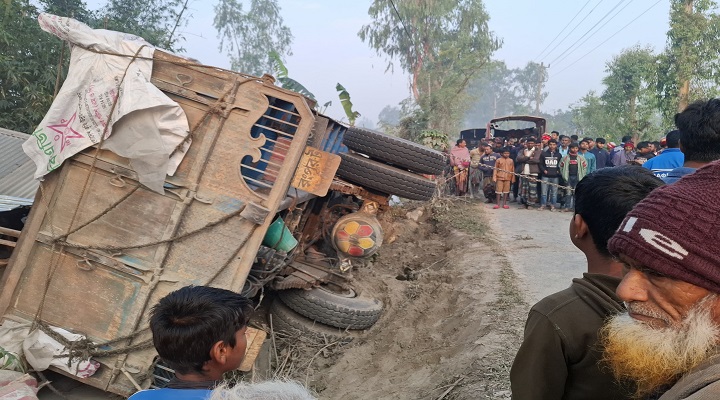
<point x="65" y="131"/>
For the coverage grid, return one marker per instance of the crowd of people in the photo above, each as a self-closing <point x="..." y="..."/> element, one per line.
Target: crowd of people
<point x="543" y="174"/>
<point x="644" y="321"/>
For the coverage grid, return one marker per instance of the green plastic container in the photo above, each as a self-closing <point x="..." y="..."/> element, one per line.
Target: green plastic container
<point x="279" y="237"/>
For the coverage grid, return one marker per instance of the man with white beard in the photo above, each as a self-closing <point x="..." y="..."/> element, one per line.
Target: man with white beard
<point x="668" y="342"/>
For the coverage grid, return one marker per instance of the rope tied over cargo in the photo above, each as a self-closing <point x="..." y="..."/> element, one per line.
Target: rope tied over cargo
<point x="85" y="348"/>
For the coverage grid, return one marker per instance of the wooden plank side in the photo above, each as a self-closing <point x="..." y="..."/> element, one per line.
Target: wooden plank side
<point x="255" y="339"/>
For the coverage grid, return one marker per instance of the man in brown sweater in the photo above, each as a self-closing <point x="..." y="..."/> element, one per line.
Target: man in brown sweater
<point x="559" y="356"/>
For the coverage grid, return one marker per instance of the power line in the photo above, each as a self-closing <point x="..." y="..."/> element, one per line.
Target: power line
<point x="407" y="32"/>
<point x="597" y="31"/>
<point x="613" y="35"/>
<point x="573" y="30"/>
<point x="567" y="51"/>
<point x="563" y="30"/>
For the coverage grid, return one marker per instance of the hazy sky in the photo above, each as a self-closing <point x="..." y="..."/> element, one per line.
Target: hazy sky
<point x="327" y="50"/>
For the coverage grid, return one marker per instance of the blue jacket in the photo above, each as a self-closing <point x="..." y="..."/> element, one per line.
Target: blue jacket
<point x="665" y="162"/>
<point x="677" y="173"/>
<point x="590" y="158"/>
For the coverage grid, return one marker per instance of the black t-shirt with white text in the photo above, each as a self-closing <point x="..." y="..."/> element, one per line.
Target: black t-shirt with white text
<point x="573" y="165"/>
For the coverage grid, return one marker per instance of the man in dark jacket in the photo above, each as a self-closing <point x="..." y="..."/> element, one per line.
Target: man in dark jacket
<point x="550" y="172"/>
<point x="601" y="155"/>
<point x="699" y="125"/>
<point x="558" y="358"/>
<point x="528" y="160"/>
<point x="487" y="164"/>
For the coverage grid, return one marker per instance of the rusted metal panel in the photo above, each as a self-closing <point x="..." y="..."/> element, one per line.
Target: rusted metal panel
<point x="316" y="171"/>
<point x="247" y="139"/>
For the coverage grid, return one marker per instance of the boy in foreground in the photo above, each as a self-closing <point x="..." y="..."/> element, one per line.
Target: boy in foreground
<point x="199" y="332"/>
<point x="559" y="356"/>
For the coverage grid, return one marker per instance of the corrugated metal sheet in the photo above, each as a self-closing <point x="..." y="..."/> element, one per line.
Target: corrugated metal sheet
<point x="16" y="168"/>
<point x="8" y="203"/>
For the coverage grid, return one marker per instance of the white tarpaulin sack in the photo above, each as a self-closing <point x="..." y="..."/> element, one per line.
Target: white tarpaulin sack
<point x="109" y="67"/>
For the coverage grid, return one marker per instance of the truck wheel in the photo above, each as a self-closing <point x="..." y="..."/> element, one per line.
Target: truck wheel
<point x="387" y="179"/>
<point x="341" y="310"/>
<point x="399" y="152"/>
<point x="288" y="321"/>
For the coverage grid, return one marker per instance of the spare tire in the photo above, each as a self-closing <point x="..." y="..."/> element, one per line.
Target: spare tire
<point x="384" y="178"/>
<point x="284" y="319"/>
<point x="399" y="152"/>
<point x="342" y="310"/>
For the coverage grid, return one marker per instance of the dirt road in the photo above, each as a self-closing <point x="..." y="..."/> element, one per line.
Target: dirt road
<point x="453" y="332"/>
<point x="539" y="248"/>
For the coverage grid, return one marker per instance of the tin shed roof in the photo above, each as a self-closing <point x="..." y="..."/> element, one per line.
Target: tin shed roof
<point x="16" y="168"/>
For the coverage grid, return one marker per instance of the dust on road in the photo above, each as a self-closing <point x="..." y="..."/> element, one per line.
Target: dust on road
<point x="539" y="248"/>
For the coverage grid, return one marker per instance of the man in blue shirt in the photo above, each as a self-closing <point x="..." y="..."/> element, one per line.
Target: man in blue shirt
<point x="699" y="126"/>
<point x="589" y="157"/>
<point x="199" y="332"/>
<point x="669" y="159"/>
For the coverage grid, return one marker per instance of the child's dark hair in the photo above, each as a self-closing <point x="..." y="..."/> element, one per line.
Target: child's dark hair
<point x="552" y="141"/>
<point x="573" y="144"/>
<point x="187" y="322"/>
<point x="604" y="197"/>
<point x="504" y="150"/>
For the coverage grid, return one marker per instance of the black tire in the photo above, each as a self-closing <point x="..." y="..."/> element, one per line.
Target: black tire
<point x="400" y="152"/>
<point x="348" y="311"/>
<point x="384" y="178"/>
<point x="285" y="320"/>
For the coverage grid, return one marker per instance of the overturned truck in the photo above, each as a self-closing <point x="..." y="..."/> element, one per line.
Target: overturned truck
<point x="267" y="195"/>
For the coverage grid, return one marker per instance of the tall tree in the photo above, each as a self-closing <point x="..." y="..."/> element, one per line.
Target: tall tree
<point x="629" y="93"/>
<point x="76" y="9"/>
<point x="529" y="83"/>
<point x="389" y="116"/>
<point x="492" y="93"/>
<point x="28" y="65"/>
<point x="250" y="36"/>
<point x="157" y="21"/>
<point x="442" y="44"/>
<point x="689" y="68"/>
<point x="592" y="118"/>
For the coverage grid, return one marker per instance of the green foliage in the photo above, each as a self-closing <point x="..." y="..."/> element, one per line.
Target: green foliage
<point x="28" y="66"/>
<point x="412" y="124"/>
<point x="629" y="94"/>
<point x="529" y="83"/>
<point x="592" y="118"/>
<point x="347" y="104"/>
<point x="690" y="55"/>
<point x="442" y="45"/>
<point x="156" y="21"/>
<point x="434" y="139"/>
<point x="251" y="36"/>
<point x="281" y="73"/>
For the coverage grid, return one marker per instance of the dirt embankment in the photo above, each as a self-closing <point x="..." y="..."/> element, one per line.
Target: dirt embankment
<point x="453" y="320"/>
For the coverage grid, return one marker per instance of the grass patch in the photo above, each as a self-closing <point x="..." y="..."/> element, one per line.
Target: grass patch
<point x="461" y="215"/>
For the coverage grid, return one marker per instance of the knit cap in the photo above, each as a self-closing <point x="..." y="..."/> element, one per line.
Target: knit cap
<point x="674" y="230"/>
<point x="629" y="144"/>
